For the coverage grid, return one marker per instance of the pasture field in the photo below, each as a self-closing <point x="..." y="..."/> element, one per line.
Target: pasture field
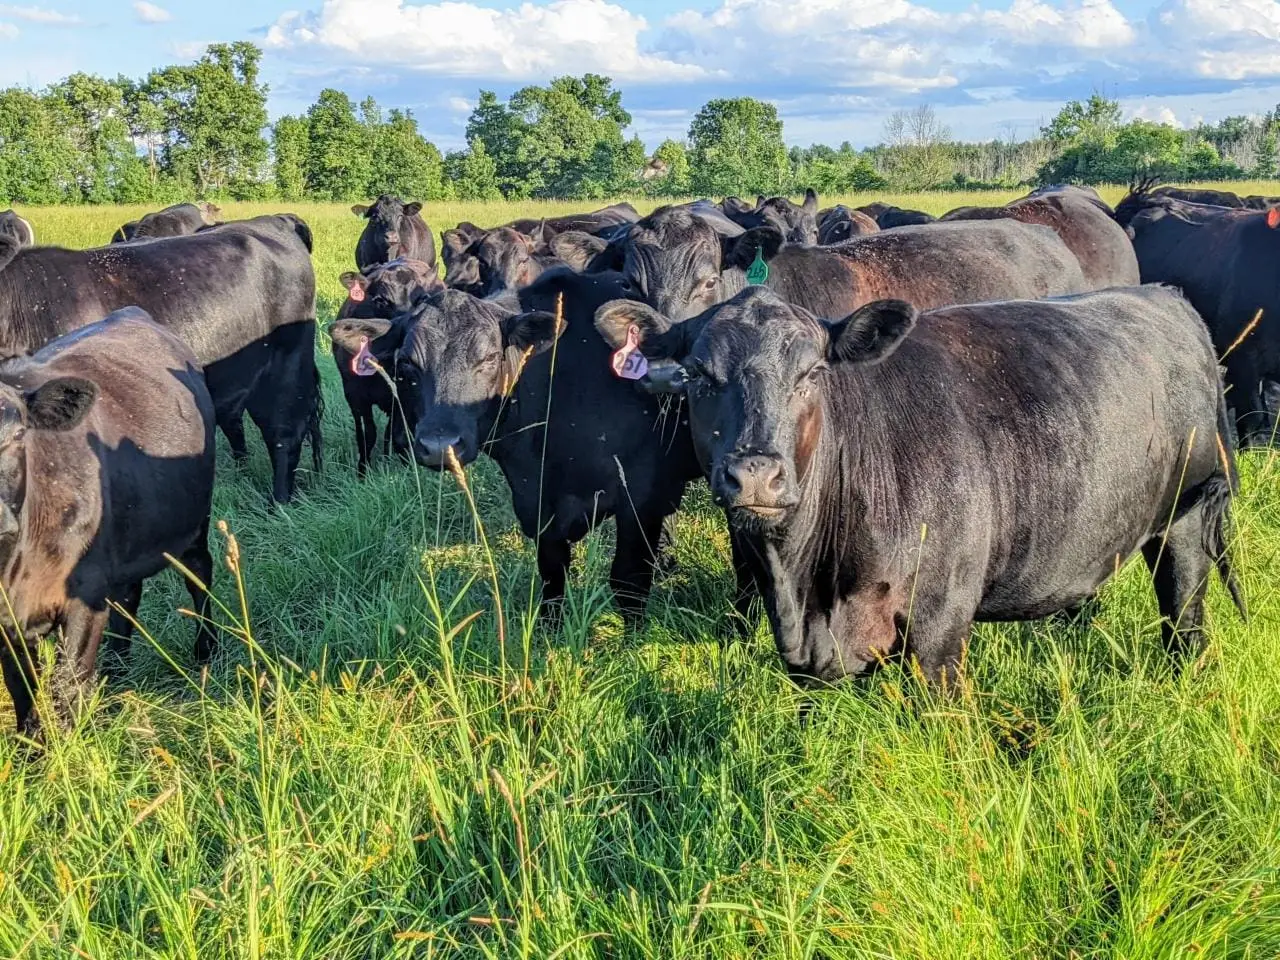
<point x="367" y="771"/>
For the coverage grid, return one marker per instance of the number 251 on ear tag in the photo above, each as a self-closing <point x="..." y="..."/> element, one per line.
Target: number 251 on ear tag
<point x="758" y="272"/>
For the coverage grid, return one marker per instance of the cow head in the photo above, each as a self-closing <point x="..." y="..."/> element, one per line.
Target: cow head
<point x="458" y="357"/>
<point x="841" y="224"/>
<point x="387" y="223"/>
<point x="674" y="259"/>
<point x="756" y="369"/>
<point x="388" y="289"/>
<point x="56" y="405"/>
<point x="506" y="260"/>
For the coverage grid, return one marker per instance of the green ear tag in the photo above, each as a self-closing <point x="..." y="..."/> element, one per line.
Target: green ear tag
<point x="758" y="272"/>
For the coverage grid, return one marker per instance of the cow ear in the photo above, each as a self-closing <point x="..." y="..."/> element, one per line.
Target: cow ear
<point x="1273" y="217"/>
<point x="347" y="334"/>
<point x="579" y="250"/>
<point x="741" y="251"/>
<point x="412" y="209"/>
<point x="810" y="201"/>
<point x="870" y="333"/>
<point x="657" y="337"/>
<point x="360" y="210"/>
<point x="60" y="404"/>
<point x="535" y="331"/>
<point x="352" y="279"/>
<point x="761" y="200"/>
<point x="9" y="247"/>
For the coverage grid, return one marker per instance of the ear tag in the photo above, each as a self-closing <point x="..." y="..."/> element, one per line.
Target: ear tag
<point x="758" y="272"/>
<point x="627" y="361"/>
<point x="363" y="364"/>
<point x="1273" y="217"/>
<point x="356" y="293"/>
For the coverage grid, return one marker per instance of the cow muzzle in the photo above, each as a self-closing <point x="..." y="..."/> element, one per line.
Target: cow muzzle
<point x="756" y="484"/>
<point x="432" y="447"/>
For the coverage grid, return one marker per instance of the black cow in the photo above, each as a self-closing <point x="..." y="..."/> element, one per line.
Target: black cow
<point x="798" y="223"/>
<point x="1074" y="189"/>
<point x="1214" y="198"/>
<point x="12" y="225"/>
<point x="889" y="481"/>
<point x="680" y="264"/>
<point x="1224" y="261"/>
<point x="839" y="223"/>
<point x="602" y="222"/>
<point x="395" y="231"/>
<point x="383" y="292"/>
<point x="481" y="375"/>
<point x="889" y="217"/>
<point x="106" y="466"/>
<point x="461" y="268"/>
<point x="179" y="220"/>
<point x="1098" y="242"/>
<point x="240" y="295"/>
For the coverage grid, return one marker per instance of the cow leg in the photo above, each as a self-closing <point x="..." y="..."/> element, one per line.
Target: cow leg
<point x="284" y="469"/>
<point x="120" y="628"/>
<point x="75" y="668"/>
<point x="553" y="567"/>
<point x="631" y="575"/>
<point x="1180" y="573"/>
<point x="199" y="561"/>
<point x="18" y="662"/>
<point x="1246" y="397"/>
<point x="232" y="427"/>
<point x="936" y="639"/>
<point x="362" y="458"/>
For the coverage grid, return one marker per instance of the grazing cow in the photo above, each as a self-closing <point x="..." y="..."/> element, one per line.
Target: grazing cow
<point x="575" y="443"/>
<point x="889" y="217"/>
<point x="840" y="223"/>
<point x="798" y="223"/>
<point x="12" y="225"/>
<point x="106" y="466"/>
<point x="395" y="231"/>
<point x="179" y="220"/>
<point x="888" y="482"/>
<point x="1223" y="260"/>
<point x="240" y="295"/>
<point x="1099" y="243"/>
<point x="384" y="292"/>
<point x="680" y="264"/>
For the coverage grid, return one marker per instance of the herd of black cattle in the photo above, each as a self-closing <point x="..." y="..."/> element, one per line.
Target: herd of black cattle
<point x="911" y="424"/>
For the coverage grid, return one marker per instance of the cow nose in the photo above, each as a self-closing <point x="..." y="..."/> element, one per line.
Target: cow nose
<point x="393" y="237"/>
<point x="754" y="480"/>
<point x="431" y="448"/>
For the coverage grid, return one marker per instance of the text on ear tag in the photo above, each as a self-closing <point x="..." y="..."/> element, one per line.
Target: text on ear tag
<point x="758" y="272"/>
<point x="363" y="364"/>
<point x="627" y="361"/>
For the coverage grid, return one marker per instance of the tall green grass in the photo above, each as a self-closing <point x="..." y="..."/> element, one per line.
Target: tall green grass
<point x="364" y="773"/>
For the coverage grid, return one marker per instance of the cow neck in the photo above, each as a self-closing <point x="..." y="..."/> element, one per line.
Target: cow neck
<point x="732" y="282"/>
<point x="24" y="317"/>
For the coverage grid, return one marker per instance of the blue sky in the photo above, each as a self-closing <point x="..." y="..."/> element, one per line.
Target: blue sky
<point x="835" y="68"/>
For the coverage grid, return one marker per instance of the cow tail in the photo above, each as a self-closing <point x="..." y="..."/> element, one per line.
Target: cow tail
<point x="313" y="423"/>
<point x="1217" y="508"/>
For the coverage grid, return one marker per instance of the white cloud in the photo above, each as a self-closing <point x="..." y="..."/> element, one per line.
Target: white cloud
<point x="150" y="13"/>
<point x="8" y="31"/>
<point x="189" y="49"/>
<point x="461" y="105"/>
<point x="463" y="39"/>
<point x="1158" y="114"/>
<point x="1221" y="39"/>
<point x="41" y="15"/>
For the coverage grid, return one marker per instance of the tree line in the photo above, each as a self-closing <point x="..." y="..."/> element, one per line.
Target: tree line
<point x="201" y="130"/>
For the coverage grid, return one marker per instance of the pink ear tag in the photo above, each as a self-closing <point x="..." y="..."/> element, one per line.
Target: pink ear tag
<point x="363" y="364"/>
<point x="627" y="361"/>
<point x="356" y="293"/>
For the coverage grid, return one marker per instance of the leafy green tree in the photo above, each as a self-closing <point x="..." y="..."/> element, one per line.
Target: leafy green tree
<point x="403" y="162"/>
<point x="291" y="145"/>
<point x="562" y="140"/>
<point x="39" y="162"/>
<point x="96" y="119"/>
<point x="919" y="154"/>
<point x="1264" y="164"/>
<point x="831" y="171"/>
<point x="472" y="174"/>
<point x="339" y="155"/>
<point x="735" y="146"/>
<point x="670" y="171"/>
<point x="215" y="111"/>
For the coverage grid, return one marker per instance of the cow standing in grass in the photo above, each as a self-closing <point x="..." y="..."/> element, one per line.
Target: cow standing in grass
<point x="892" y="477"/>
<point x="395" y="230"/>
<point x="106" y="466"/>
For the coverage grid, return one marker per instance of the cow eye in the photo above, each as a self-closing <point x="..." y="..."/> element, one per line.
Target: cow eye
<point x="491" y="359"/>
<point x="813" y="373"/>
<point x="695" y="369"/>
<point x="709" y="283"/>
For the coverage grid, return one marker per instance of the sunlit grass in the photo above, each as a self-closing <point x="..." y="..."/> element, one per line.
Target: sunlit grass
<point x="362" y="774"/>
